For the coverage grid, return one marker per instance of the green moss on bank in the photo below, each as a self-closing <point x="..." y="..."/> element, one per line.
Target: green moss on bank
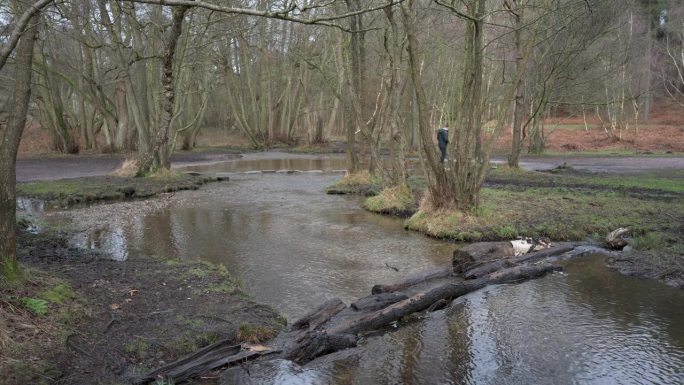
<point x="557" y="213"/>
<point x="361" y="183"/>
<point x="398" y="200"/>
<point x="67" y="192"/>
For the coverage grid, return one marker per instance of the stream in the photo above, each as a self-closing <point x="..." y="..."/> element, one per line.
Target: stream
<point x="292" y="246"/>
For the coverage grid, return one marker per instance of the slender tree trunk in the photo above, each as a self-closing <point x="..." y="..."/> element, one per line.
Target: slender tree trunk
<point x="440" y="190"/>
<point x="159" y="157"/>
<point x="519" y="108"/>
<point x="18" y="108"/>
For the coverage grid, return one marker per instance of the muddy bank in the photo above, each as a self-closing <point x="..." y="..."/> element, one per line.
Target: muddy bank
<point x="69" y="192"/>
<point x="53" y="167"/>
<point x="136" y="314"/>
<point x="665" y="267"/>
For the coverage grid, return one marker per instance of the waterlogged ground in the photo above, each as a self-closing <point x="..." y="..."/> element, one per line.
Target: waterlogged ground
<point x="292" y="246"/>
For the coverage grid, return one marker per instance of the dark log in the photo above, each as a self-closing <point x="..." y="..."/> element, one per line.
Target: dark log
<point x="211" y="357"/>
<point x="320" y="315"/>
<point x="412" y="280"/>
<point x="441" y="304"/>
<point x="424" y="300"/>
<point x="487" y="268"/>
<point x="476" y="254"/>
<point x="377" y="301"/>
<point x="319" y="343"/>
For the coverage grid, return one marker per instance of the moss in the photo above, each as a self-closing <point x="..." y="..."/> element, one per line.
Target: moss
<point x="398" y="200"/>
<point x="58" y="294"/>
<point x="362" y="183"/>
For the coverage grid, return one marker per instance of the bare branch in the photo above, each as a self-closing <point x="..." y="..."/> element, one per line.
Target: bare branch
<point x="19" y="28"/>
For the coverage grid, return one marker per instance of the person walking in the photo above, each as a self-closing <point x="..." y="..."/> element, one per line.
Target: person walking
<point x="443" y="140"/>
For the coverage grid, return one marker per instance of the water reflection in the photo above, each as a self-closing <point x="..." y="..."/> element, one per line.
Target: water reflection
<point x="282" y="162"/>
<point x="291" y="245"/>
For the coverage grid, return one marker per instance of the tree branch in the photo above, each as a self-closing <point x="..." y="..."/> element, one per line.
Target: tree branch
<point x="19" y="28"/>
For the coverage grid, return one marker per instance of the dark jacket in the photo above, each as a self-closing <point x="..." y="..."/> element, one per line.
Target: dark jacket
<point x="442" y="137"/>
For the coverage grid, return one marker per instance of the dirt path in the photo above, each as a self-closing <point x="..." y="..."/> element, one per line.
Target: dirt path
<point x="608" y="164"/>
<point x="76" y="166"/>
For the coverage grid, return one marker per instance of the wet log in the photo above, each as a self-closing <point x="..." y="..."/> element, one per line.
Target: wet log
<point x="319" y="343"/>
<point x="476" y="254"/>
<point x="377" y="301"/>
<point x="320" y="315"/>
<point x="412" y="280"/>
<point x="211" y="357"/>
<point x="424" y="300"/>
<point x="487" y="268"/>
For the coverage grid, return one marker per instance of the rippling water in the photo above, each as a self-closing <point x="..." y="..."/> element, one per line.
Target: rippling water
<point x="294" y="247"/>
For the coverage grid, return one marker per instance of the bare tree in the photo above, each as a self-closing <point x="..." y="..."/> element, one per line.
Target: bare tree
<point x="18" y="107"/>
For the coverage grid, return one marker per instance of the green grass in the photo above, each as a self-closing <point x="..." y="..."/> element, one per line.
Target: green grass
<point x="397" y="200"/>
<point x="255" y="333"/>
<point x="138" y="348"/>
<point x="109" y="188"/>
<point x="670" y="181"/>
<point x="557" y="213"/>
<point x="58" y="294"/>
<point x="35" y="305"/>
<point x="359" y="183"/>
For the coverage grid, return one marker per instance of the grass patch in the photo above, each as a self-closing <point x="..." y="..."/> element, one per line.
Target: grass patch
<point x="68" y="192"/>
<point x="648" y="241"/>
<point x="255" y="333"/>
<point x="398" y="200"/>
<point x="657" y="182"/>
<point x="36" y="315"/>
<point x="362" y="183"/>
<point x="138" y="348"/>
<point x="557" y="213"/>
<point x="35" y="305"/>
<point x="58" y="294"/>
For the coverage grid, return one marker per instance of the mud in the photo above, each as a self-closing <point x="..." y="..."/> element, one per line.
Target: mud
<point x="141" y="313"/>
<point x="32" y="168"/>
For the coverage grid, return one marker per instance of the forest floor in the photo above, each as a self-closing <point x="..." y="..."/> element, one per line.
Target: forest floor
<point x="82" y="318"/>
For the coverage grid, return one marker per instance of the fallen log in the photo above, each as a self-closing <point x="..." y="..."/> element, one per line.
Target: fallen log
<point x="412" y="280"/>
<point x="211" y="357"/>
<point x="319" y="343"/>
<point x="320" y="315"/>
<point x="476" y="254"/>
<point x="424" y="300"/>
<point x="487" y="268"/>
<point x="377" y="301"/>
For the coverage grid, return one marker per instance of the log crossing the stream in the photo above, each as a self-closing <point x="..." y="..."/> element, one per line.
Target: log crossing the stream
<point x="334" y="326"/>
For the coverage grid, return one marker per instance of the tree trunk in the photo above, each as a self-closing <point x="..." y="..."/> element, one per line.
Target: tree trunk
<point x="518" y="109"/>
<point x="18" y="107"/>
<point x="440" y="190"/>
<point x="159" y="157"/>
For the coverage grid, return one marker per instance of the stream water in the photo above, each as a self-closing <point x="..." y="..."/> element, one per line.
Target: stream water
<point x="293" y="247"/>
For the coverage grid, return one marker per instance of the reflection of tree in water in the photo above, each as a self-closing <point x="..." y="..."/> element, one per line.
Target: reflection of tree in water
<point x="458" y="327"/>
